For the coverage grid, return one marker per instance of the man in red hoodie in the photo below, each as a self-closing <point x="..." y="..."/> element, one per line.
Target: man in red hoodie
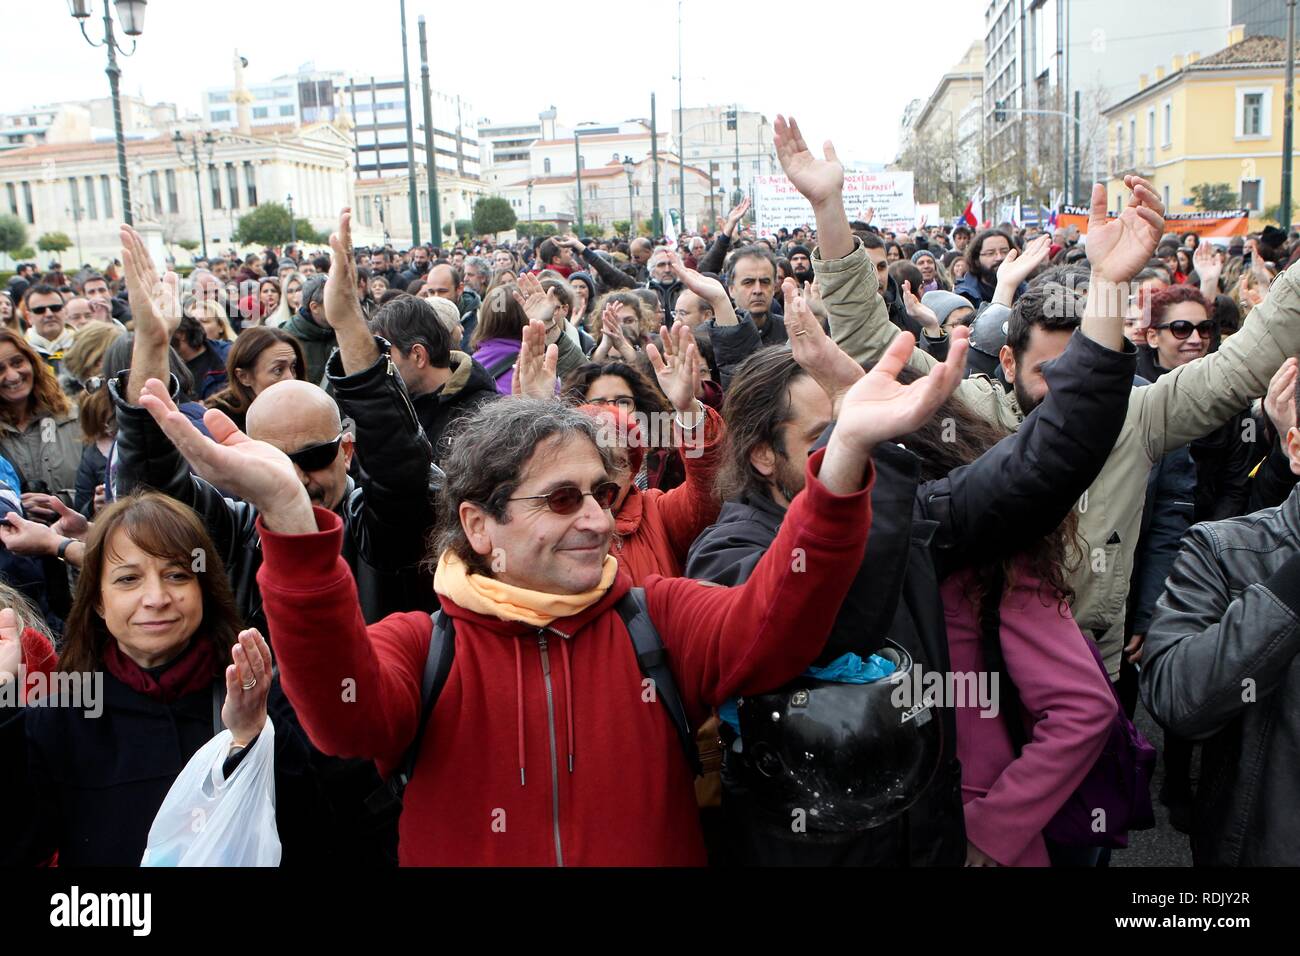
<point x="547" y="746"/>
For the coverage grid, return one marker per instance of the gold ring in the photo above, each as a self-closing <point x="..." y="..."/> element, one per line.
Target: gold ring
<point x="802" y="332"/>
<point x="250" y="685"/>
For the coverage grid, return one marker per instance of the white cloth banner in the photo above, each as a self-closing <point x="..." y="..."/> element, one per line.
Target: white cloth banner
<point x="779" y="205"/>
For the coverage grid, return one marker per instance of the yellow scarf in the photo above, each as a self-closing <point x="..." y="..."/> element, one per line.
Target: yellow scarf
<point x="493" y="598"/>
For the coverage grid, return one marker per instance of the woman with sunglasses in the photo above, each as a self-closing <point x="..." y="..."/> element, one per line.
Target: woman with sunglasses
<point x="38" y="427"/>
<point x="653" y="529"/>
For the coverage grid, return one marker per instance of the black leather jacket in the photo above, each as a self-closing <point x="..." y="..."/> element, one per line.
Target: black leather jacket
<point x="922" y="531"/>
<point x="1220" y="665"/>
<point x="386" y="515"/>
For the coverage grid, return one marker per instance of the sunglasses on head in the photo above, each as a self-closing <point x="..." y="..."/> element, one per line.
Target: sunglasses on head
<point x="42" y="309"/>
<point x="1182" y="329"/>
<point x="567" y="500"/>
<point x="317" y="457"/>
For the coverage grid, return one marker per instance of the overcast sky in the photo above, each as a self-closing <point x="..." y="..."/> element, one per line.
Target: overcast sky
<point x="845" y="68"/>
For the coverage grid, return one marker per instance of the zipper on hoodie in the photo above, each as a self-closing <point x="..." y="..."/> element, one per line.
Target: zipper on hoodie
<point x="550" y="725"/>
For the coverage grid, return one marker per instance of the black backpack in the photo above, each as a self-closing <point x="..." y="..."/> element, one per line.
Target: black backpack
<point x="650" y="656"/>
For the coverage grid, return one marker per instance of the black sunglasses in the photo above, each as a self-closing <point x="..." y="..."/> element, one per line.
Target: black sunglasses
<point x="316" y="457"/>
<point x="568" y="499"/>
<point x="1182" y="329"/>
<point x="42" y="309"/>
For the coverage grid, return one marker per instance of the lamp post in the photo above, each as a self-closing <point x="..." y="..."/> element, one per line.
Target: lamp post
<point x="577" y="172"/>
<point x="209" y="141"/>
<point x="293" y="226"/>
<point x="131" y="13"/>
<point x="629" y="167"/>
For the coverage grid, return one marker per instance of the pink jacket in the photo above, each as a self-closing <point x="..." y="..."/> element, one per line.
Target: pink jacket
<point x="1067" y="709"/>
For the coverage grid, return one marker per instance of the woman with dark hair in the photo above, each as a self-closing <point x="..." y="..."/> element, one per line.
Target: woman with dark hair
<point x="158" y="633"/>
<point x="498" y="334"/>
<point x="259" y="358"/>
<point x="39" y="434"/>
<point x="584" y="292"/>
<point x="983" y="257"/>
<point x="1185" y="266"/>
<point x="893" y="251"/>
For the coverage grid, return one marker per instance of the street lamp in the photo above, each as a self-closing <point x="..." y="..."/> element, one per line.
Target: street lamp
<point x="629" y="167"/>
<point x="209" y="141"/>
<point x="131" y="13"/>
<point x="293" y="226"/>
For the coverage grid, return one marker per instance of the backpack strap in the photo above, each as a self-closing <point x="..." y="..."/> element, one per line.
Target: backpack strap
<point x="652" y="658"/>
<point x="990" y="624"/>
<point x="437" y="665"/>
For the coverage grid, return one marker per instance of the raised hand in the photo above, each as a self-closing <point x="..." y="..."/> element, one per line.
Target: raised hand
<point x="341" y="303"/>
<point x="733" y="218"/>
<point x="1118" y="250"/>
<point x="71" y="524"/>
<point x="259" y="473"/>
<point x="535" y="370"/>
<point x="705" y="287"/>
<point x="612" y="332"/>
<point x="1205" y="261"/>
<point x="1279" y="403"/>
<point x="248" y="682"/>
<point x="11" y="646"/>
<point x="919" y="311"/>
<point x="678" y="368"/>
<point x="1248" y="290"/>
<point x="815" y="351"/>
<point x="879" y="408"/>
<point x="532" y="298"/>
<point x="155" y="303"/>
<point x="1019" y="266"/>
<point x="818" y="180"/>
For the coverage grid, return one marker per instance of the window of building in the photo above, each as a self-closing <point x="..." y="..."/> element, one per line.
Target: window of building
<point x="1166" y="197"/>
<point x="546" y="165"/>
<point x="286" y="110"/>
<point x="1119" y="143"/>
<point x="541" y="209"/>
<point x="1151" y="135"/>
<point x="155" y="193"/>
<point x="366" y="215"/>
<point x="1254" y="109"/>
<point x="221" y="116"/>
<point x="12" y="193"/>
<point x="74" y="189"/>
<point x="260" y="112"/>
<point x="1167" y="139"/>
<point x="214" y="181"/>
<point x="173" y="200"/>
<point x="250" y="183"/>
<point x="106" y="190"/>
<point x="28" y="207"/>
<point x="1252" y="194"/>
<point x="232" y="185"/>
<point x="92" y="207"/>
<point x="1132" y="140"/>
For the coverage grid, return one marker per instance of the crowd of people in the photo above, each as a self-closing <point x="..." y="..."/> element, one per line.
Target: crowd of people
<point x="615" y="552"/>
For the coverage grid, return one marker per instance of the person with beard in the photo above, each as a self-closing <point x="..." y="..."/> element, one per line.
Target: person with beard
<point x="418" y="268"/>
<point x="664" y="282"/>
<point x="1186" y="404"/>
<point x="983" y="257"/>
<point x="801" y="264"/>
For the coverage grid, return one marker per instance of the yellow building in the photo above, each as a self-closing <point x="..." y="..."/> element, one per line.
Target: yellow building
<point x="1216" y="119"/>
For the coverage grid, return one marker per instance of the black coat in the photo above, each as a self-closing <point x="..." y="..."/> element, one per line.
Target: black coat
<point x="439" y="411"/>
<point x="90" y="787"/>
<point x="922" y="531"/>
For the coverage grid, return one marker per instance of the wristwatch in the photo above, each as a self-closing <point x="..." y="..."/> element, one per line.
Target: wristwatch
<point x="61" y="554"/>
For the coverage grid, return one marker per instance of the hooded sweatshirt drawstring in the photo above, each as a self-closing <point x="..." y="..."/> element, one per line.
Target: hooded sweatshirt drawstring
<point x="568" y="698"/>
<point x="519" y="707"/>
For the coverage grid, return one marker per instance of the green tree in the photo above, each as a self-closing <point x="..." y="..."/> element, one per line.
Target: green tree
<point x="13" y="236"/>
<point x="1213" y="197"/>
<point x="54" y="242"/>
<point x="535" y="229"/>
<point x="189" y="245"/>
<point x="24" y="252"/>
<point x="492" y="214"/>
<point x="622" y="227"/>
<point x="268" y="225"/>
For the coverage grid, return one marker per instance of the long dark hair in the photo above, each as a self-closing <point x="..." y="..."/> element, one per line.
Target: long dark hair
<point x="250" y="343"/>
<point x="578" y="382"/>
<point x="756" y="405"/>
<point x="166" y="529"/>
<point x="973" y="266"/>
<point x="45" y="394"/>
<point x="954" y="436"/>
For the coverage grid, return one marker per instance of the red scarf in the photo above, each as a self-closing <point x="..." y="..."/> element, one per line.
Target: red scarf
<point x="190" y="673"/>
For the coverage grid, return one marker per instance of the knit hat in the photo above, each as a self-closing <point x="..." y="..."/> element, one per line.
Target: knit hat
<point x="921" y="254"/>
<point x="797" y="250"/>
<point x="944" y="304"/>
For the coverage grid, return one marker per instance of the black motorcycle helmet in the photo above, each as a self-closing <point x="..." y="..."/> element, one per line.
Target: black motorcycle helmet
<point x="847" y="755"/>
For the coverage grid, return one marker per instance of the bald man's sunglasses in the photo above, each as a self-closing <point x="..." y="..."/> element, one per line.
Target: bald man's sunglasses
<point x="317" y="457"/>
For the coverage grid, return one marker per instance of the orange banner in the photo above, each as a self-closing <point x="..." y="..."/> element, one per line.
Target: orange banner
<point x="1218" y="225"/>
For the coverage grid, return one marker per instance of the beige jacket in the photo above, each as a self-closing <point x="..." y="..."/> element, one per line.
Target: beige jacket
<point x="1183" y="405"/>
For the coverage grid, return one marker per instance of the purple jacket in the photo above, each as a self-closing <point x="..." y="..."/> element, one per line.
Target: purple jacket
<point x="1067" y="712"/>
<point x="491" y="351"/>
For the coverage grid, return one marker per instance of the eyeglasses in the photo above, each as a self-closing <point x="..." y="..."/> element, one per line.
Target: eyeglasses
<point x="622" y="401"/>
<point x="1182" y="329"/>
<point x="316" y="457"/>
<point x="42" y="309"/>
<point x="568" y="499"/>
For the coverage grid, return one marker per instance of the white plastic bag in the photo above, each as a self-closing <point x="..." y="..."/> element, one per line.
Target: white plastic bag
<point x="207" y="820"/>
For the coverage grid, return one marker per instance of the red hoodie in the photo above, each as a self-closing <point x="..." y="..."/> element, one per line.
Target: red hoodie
<point x="588" y="771"/>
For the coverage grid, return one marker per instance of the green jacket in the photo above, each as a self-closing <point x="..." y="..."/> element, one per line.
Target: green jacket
<point x="48" y="450"/>
<point x="1183" y="405"/>
<point x="318" y="342"/>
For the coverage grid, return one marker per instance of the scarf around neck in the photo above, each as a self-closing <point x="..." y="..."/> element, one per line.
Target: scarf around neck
<point x="507" y="602"/>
